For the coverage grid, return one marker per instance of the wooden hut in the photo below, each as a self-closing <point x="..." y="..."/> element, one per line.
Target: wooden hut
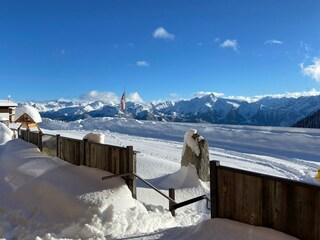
<point x="7" y="111"/>
<point x="28" y="116"/>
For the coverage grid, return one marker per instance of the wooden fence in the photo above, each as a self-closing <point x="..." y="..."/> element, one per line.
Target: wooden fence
<point x="284" y="205"/>
<point x="115" y="159"/>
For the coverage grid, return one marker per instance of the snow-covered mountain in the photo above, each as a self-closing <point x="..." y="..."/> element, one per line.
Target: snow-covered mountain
<point x="267" y="111"/>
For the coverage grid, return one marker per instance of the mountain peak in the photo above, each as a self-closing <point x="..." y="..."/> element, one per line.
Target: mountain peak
<point x="210" y="97"/>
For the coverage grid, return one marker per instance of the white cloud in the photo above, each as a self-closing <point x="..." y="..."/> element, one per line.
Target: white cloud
<point x="61" y="51"/>
<point x="305" y="46"/>
<point x="134" y="97"/>
<point x="230" y="43"/>
<point x="312" y="70"/>
<point x="142" y="63"/>
<point x="312" y="92"/>
<point x="201" y="94"/>
<point x="273" y="41"/>
<point x="106" y="97"/>
<point x="174" y="95"/>
<point x="162" y="33"/>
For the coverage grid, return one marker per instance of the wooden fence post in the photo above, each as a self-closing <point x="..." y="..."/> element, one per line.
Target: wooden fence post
<point x="28" y="139"/>
<point x="132" y="169"/>
<point x="214" y="188"/>
<point x="40" y="141"/>
<point x="172" y="195"/>
<point x="84" y="144"/>
<point x="58" y="145"/>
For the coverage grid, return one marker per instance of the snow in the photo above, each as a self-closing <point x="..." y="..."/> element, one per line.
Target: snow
<point x="31" y="111"/>
<point x="7" y="103"/>
<point x="95" y="137"/>
<point x="46" y="198"/>
<point x="5" y="134"/>
<point x="191" y="142"/>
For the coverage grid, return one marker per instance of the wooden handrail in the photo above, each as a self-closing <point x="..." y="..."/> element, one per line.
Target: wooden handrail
<point x="143" y="180"/>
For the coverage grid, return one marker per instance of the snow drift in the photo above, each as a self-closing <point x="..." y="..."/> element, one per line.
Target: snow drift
<point x="95" y="137"/>
<point x="5" y="134"/>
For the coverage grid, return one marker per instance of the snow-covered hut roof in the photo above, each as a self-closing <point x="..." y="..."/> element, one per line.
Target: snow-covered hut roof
<point x="7" y="103"/>
<point x="31" y="111"/>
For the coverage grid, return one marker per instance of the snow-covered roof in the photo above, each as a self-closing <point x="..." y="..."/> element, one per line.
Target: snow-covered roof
<point x="31" y="111"/>
<point x="7" y="103"/>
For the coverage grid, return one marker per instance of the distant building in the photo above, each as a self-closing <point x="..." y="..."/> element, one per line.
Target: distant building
<point x="7" y="111"/>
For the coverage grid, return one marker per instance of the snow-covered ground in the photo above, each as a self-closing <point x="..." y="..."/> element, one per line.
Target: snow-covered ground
<point x="46" y="197"/>
<point x="285" y="152"/>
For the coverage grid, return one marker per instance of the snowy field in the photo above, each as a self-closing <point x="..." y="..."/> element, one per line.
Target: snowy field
<point x="285" y="152"/>
<point x="46" y="198"/>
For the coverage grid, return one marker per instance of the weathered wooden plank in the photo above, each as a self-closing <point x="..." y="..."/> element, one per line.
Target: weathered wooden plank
<point x="267" y="203"/>
<point x="123" y="161"/>
<point x="114" y="160"/>
<point x="317" y="215"/>
<point x="248" y="196"/>
<point x="280" y="206"/>
<point x="226" y="205"/>
<point x="214" y="193"/>
<point x="131" y="181"/>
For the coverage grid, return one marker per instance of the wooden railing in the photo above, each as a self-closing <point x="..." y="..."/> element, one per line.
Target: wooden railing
<point x="284" y="205"/>
<point x="114" y="159"/>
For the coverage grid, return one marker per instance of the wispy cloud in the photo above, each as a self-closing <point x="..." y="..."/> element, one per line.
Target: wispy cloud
<point x="202" y="93"/>
<point x="312" y="92"/>
<point x="273" y="42"/>
<point x="134" y="97"/>
<point x="106" y="97"/>
<point x="174" y="95"/>
<point x="162" y="33"/>
<point x="312" y="70"/>
<point x="142" y="63"/>
<point x="305" y="46"/>
<point x="61" y="51"/>
<point x="109" y="97"/>
<point x="230" y="43"/>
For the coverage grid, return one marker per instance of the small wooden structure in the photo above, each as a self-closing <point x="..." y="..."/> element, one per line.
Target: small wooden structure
<point x="7" y="111"/>
<point x="27" y="122"/>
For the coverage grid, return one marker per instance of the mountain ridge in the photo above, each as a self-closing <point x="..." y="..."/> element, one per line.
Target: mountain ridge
<point x="267" y="111"/>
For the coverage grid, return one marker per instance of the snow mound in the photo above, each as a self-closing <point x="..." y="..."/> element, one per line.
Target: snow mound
<point x="31" y="111"/>
<point x="186" y="177"/>
<point x="6" y="134"/>
<point x="217" y="229"/>
<point x="48" y="198"/>
<point x="95" y="137"/>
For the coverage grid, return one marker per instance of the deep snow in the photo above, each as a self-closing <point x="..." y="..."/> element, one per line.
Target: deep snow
<point x="46" y="197"/>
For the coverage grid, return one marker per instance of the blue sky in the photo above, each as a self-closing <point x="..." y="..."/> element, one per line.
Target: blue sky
<point x="166" y="49"/>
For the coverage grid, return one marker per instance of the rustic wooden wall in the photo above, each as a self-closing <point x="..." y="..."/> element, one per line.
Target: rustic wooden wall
<point x="261" y="200"/>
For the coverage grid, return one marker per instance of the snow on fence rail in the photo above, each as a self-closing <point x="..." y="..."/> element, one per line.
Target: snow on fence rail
<point x="284" y="205"/>
<point x="114" y="159"/>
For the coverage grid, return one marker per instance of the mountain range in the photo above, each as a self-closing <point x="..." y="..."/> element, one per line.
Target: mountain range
<point x="267" y="111"/>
